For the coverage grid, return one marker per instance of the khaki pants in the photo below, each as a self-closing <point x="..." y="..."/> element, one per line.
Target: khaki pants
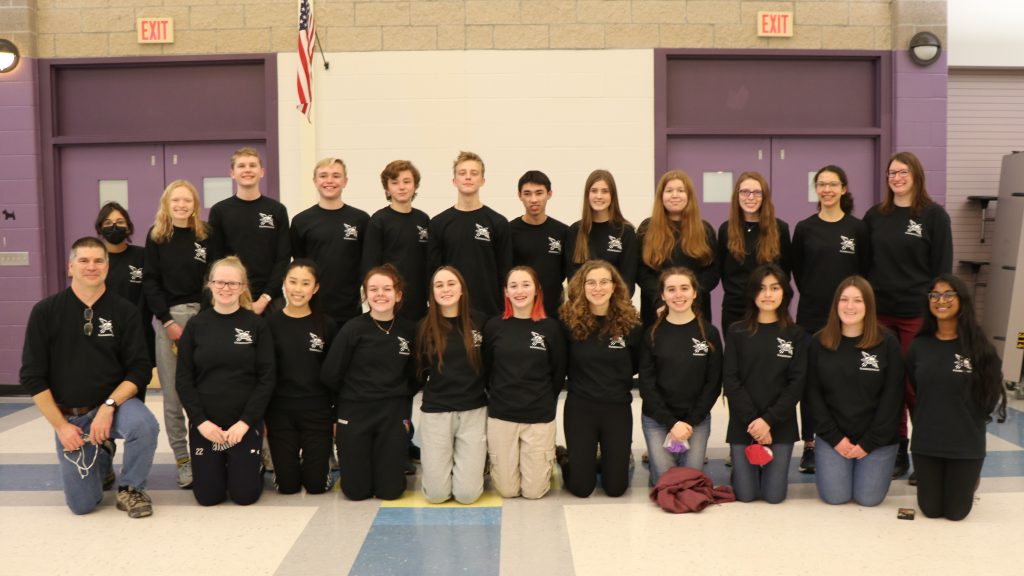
<point x="454" y="449"/>
<point x="522" y="456"/>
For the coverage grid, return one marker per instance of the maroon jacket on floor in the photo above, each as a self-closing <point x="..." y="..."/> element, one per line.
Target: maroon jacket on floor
<point x="683" y="489"/>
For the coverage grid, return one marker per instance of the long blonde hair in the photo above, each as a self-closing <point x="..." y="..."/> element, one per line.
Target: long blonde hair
<point x="663" y="234"/>
<point x="163" y="224"/>
<point x="245" y="297"/>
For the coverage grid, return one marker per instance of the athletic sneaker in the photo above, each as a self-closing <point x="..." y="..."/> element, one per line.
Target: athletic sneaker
<point x="110" y="478"/>
<point x="185" y="473"/>
<point x="135" y="502"/>
<point x="807" y="460"/>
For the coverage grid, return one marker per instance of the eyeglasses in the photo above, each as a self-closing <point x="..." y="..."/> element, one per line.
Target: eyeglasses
<point x="747" y="193"/>
<point x="603" y="283"/>
<point x="828" y="184"/>
<point x="897" y="173"/>
<point x="943" y="296"/>
<point x="221" y="284"/>
<point x="87" y="327"/>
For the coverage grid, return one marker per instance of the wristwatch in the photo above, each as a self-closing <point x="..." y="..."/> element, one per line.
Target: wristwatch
<point x="110" y="402"/>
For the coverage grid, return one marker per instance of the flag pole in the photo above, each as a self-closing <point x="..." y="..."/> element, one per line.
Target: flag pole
<point x="327" y="65"/>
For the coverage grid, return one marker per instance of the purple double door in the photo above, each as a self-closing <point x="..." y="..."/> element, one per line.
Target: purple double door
<point x="787" y="163"/>
<point x="135" y="175"/>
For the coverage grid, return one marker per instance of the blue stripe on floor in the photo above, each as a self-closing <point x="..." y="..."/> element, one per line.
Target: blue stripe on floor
<point x="432" y="541"/>
<point x="6" y="409"/>
<point x="1012" y="430"/>
<point x="42" y="477"/>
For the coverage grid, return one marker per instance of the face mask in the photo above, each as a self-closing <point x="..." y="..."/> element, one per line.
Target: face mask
<point x="114" y="234"/>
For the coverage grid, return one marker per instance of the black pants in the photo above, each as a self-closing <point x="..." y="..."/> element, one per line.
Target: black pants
<point x="587" y="424"/>
<point x="945" y="486"/>
<point x="300" y="444"/>
<point x="373" y="448"/>
<point x="234" y="472"/>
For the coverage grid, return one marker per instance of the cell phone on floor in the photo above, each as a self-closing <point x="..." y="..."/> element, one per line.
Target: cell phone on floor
<point x="905" y="514"/>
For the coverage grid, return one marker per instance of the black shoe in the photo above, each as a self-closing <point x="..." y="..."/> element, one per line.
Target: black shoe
<point x="807" y="460"/>
<point x="110" y="478"/>
<point x="562" y="455"/>
<point x="414" y="452"/>
<point x="410" y="468"/>
<point x="913" y="478"/>
<point x="902" y="465"/>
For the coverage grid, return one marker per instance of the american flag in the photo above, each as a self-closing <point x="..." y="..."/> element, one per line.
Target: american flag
<point x="307" y="35"/>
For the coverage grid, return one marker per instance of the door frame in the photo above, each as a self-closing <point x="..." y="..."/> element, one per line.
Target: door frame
<point x="880" y="131"/>
<point x="51" y="142"/>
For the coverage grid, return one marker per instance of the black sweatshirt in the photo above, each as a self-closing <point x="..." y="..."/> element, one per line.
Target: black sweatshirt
<point x="300" y="345"/>
<point x="824" y="254"/>
<point x="856" y="393"/>
<point x="477" y="244"/>
<point x="647" y="277"/>
<point x="366" y="364"/>
<point x="526" y="361"/>
<point x="257" y="232"/>
<point x="334" y="240"/>
<point x="946" y="423"/>
<point x="226" y="368"/>
<point x="83" y="370"/>
<point x="681" y="373"/>
<point x="763" y="376"/>
<point x="540" y="246"/>
<point x="617" y="246"/>
<point x="175" y="271"/>
<point x="735" y="274"/>
<point x="456" y="386"/>
<point x="601" y="369"/>
<point x="400" y="239"/>
<point x="906" y="255"/>
<point x="126" y="272"/>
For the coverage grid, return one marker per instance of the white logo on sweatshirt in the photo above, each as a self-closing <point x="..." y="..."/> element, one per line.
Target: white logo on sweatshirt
<point x="554" y="246"/>
<point x="266" y="220"/>
<point x="847" y="245"/>
<point x="868" y="362"/>
<point x="403" y="346"/>
<point x="478" y="339"/>
<point x="422" y="233"/>
<point x="616" y="343"/>
<point x="913" y="229"/>
<point x="785" y="348"/>
<point x="243" y="336"/>
<point x="537" y="341"/>
<point x="106" y="327"/>
<point x="961" y="364"/>
<point x="134" y="274"/>
<point x="316" y="343"/>
<point x="700" y="347"/>
<point x="482" y="233"/>
<point x="614" y="244"/>
<point x="200" y="253"/>
<point x="351" y="232"/>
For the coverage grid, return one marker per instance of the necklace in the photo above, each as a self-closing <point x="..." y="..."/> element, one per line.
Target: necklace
<point x="381" y="328"/>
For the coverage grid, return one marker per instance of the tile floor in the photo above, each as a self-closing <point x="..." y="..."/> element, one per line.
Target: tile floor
<point x="558" y="535"/>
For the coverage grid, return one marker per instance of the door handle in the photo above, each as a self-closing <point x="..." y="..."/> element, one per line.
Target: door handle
<point x="760" y="154"/>
<point x="152" y="159"/>
<point x="174" y="159"/>
<point x="782" y="153"/>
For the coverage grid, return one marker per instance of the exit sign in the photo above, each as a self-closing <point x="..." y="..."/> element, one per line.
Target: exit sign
<point x="775" y="24"/>
<point x="155" y="30"/>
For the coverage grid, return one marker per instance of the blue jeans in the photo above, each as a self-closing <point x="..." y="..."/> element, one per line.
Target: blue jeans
<point x="865" y="481"/>
<point x="769" y="482"/>
<point x="134" y="424"/>
<point x="660" y="459"/>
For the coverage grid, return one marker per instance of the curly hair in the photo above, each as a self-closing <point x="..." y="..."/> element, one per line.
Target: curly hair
<point x="575" y="311"/>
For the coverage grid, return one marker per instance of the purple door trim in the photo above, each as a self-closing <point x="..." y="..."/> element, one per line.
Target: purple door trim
<point x="883" y="91"/>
